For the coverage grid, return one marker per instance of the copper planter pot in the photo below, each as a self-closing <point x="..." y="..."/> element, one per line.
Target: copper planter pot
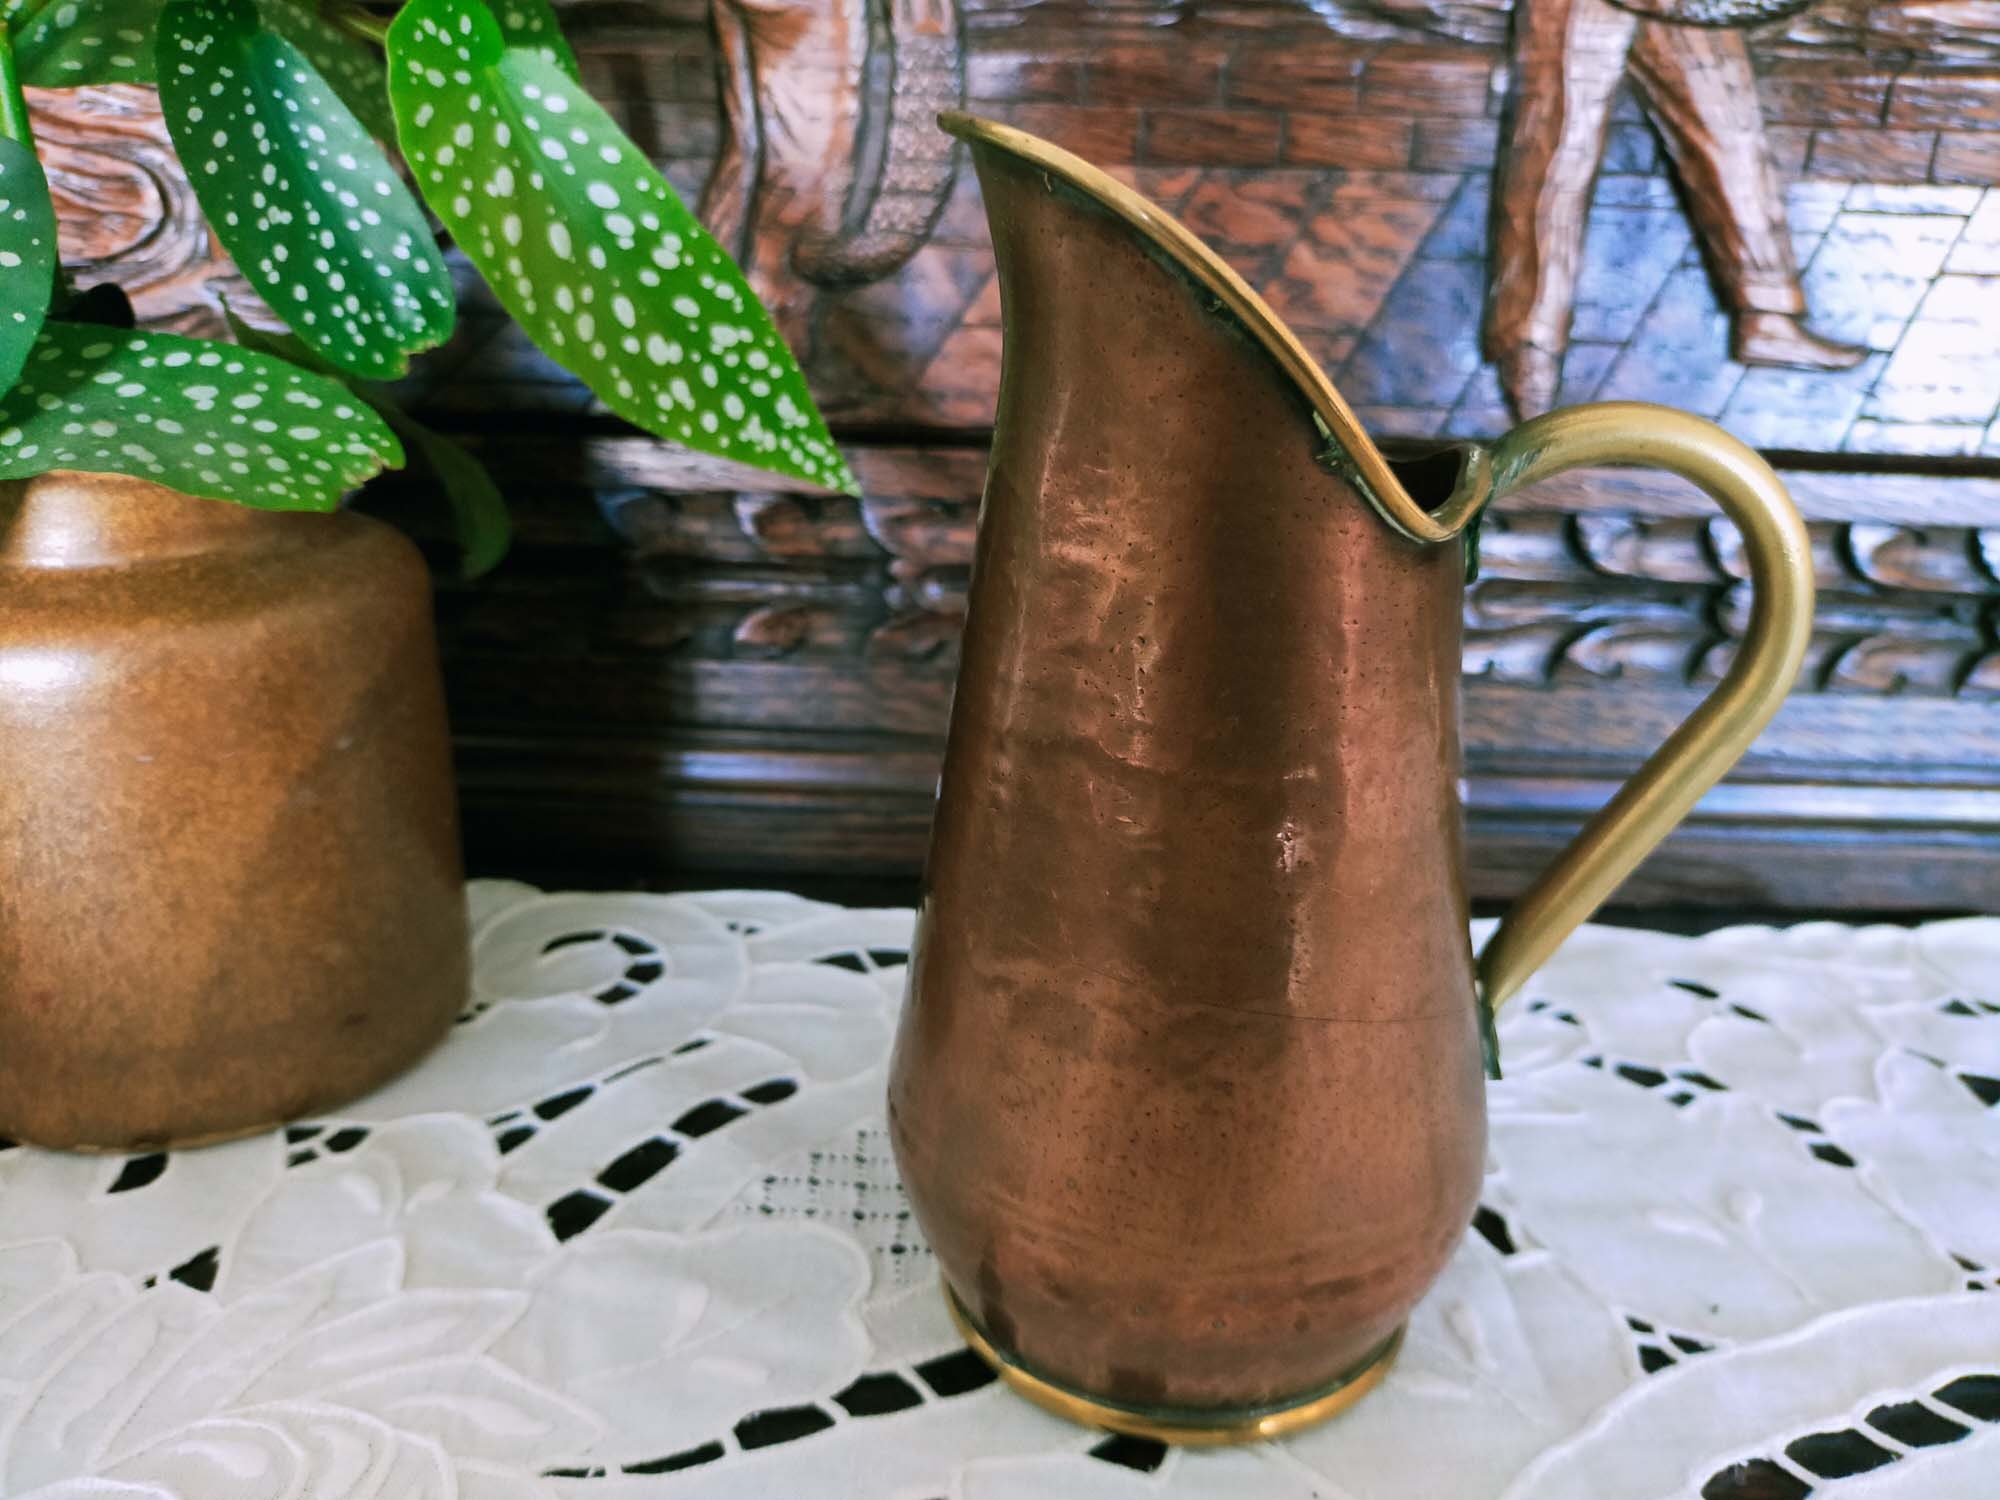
<point x="1188" y="1092"/>
<point x="231" y="890"/>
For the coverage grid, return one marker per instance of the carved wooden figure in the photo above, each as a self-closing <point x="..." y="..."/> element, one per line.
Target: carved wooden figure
<point x="831" y="170"/>
<point x="126" y="212"/>
<point x="1694" y="74"/>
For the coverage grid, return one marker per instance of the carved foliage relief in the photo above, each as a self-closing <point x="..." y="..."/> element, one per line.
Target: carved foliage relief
<point x="1563" y="595"/>
<point x="125" y="211"/>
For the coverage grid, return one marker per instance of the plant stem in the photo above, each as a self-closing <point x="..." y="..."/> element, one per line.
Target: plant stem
<point x="13" y="106"/>
<point x="355" y="21"/>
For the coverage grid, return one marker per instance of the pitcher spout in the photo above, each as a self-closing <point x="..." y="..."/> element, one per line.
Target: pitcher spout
<point x="1430" y="500"/>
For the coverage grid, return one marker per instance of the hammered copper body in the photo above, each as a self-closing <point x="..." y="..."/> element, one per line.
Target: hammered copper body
<point x="229" y="870"/>
<point x="1189" y="1102"/>
<point x="1188" y="1091"/>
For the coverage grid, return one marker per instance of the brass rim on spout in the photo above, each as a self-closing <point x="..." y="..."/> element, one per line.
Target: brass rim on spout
<point x="1376" y="480"/>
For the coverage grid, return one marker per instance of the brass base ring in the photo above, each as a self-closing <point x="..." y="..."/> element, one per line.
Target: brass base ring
<point x="1189" y="1428"/>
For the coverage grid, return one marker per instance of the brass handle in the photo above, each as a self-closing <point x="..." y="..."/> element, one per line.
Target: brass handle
<point x="1699" y="753"/>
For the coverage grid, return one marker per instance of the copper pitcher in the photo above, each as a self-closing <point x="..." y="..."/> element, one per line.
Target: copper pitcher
<point x="1188" y="1091"/>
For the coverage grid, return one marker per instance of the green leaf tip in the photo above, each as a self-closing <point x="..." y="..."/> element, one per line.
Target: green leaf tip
<point x="203" y="418"/>
<point x="478" y="509"/>
<point x="590" y="249"/>
<point x="532" y="24"/>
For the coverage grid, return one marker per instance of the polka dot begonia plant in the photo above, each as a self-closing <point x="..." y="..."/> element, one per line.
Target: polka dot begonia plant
<point x="354" y="72"/>
<point x="315" y="216"/>
<point x="284" y="113"/>
<point x="589" y="248"/>
<point x="73" y="42"/>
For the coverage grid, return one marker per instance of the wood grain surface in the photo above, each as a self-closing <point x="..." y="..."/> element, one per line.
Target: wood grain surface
<point x="680" y="668"/>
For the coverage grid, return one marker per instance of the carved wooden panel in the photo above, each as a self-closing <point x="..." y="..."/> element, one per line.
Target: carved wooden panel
<point x="678" y="669"/>
<point x="1567" y="590"/>
<point x="766" y="676"/>
<point x="126" y="213"/>
<point x="1343" y="154"/>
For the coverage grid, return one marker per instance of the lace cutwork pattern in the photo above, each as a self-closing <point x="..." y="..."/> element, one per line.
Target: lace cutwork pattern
<point x="634" y="1229"/>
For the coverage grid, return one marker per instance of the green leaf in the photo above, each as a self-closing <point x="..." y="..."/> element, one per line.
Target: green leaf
<point x="75" y="42"/>
<point x="203" y="418"/>
<point x="532" y="24"/>
<point x="590" y="249"/>
<point x="27" y="254"/>
<point x="350" y="66"/>
<point x="298" y="192"/>
<point x="478" y="510"/>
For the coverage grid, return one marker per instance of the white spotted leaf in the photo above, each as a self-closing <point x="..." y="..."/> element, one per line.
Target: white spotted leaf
<point x="350" y="66"/>
<point x="75" y="42"/>
<point x="591" y="251"/>
<point x="27" y="254"/>
<point x="298" y="192"/>
<point x="204" y="418"/>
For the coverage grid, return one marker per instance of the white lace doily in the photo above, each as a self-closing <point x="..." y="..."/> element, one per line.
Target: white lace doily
<point x="634" y="1230"/>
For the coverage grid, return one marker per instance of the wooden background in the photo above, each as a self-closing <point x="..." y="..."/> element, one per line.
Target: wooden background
<point x="668" y="676"/>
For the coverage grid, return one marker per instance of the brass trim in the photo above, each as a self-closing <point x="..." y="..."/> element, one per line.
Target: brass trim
<point x="1175" y="240"/>
<point x="1700" y="752"/>
<point x="1189" y="1429"/>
